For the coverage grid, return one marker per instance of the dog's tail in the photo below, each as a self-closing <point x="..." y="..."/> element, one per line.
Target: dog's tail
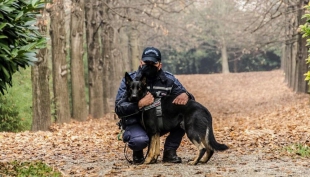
<point x="213" y="143"/>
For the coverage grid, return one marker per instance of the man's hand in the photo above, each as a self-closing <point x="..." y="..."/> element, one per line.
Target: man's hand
<point x="146" y="100"/>
<point x="181" y="99"/>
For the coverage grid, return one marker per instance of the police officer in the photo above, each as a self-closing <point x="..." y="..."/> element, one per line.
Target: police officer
<point x="162" y="83"/>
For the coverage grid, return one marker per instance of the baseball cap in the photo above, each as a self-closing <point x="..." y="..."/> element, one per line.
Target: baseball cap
<point x="151" y="54"/>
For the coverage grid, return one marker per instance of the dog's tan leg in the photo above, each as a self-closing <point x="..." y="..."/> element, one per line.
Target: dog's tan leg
<point x="150" y="155"/>
<point x="157" y="149"/>
<point x="208" y="156"/>
<point x="209" y="152"/>
<point x="201" y="152"/>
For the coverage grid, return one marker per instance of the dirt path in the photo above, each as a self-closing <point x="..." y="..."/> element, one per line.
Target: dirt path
<point x="255" y="114"/>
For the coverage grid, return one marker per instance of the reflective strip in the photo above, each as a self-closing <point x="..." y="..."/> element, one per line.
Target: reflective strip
<point x="160" y="88"/>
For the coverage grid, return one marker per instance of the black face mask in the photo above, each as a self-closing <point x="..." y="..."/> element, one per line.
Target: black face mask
<point x="150" y="71"/>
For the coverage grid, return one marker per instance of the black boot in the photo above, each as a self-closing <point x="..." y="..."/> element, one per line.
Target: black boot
<point x="171" y="156"/>
<point x="137" y="157"/>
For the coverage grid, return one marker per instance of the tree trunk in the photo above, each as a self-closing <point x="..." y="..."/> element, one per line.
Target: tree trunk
<point x="112" y="59"/>
<point x="225" y="66"/>
<point x="41" y="103"/>
<point x="290" y="41"/>
<point x="108" y="66"/>
<point x="95" y="61"/>
<point x="135" y="54"/>
<point x="302" y="53"/>
<point x="79" y="105"/>
<point x="125" y="59"/>
<point x="60" y="67"/>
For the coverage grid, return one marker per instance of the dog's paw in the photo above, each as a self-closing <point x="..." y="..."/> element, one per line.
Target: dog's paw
<point x="192" y="162"/>
<point x="150" y="161"/>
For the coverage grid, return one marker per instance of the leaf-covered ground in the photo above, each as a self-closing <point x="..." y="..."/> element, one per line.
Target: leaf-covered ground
<point x="255" y="114"/>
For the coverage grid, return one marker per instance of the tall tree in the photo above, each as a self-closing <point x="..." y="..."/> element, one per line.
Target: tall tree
<point x="41" y="103"/>
<point x="59" y="63"/>
<point x="79" y="105"/>
<point x="107" y="39"/>
<point x="95" y="60"/>
<point x="111" y="53"/>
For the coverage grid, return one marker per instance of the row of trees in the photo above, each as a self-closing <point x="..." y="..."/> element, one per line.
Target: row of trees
<point x="286" y="17"/>
<point x="111" y="36"/>
<point x="295" y="50"/>
<point x="111" y="33"/>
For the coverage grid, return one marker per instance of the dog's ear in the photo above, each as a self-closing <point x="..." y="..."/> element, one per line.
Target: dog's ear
<point x="128" y="79"/>
<point x="143" y="79"/>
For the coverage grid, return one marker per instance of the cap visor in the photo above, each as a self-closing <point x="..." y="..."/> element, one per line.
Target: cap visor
<point x="152" y="59"/>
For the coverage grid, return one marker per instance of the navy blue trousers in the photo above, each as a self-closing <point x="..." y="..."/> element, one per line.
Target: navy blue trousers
<point x="137" y="138"/>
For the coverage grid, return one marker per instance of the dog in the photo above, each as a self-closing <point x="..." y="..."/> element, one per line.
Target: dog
<point x="195" y="117"/>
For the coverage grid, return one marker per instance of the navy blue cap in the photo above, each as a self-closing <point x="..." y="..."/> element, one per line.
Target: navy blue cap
<point x="151" y="54"/>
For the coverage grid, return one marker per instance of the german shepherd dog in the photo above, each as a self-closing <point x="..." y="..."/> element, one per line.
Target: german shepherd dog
<point x="197" y="122"/>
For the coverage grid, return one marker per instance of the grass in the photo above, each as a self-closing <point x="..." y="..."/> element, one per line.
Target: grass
<point x="21" y="169"/>
<point x="299" y="149"/>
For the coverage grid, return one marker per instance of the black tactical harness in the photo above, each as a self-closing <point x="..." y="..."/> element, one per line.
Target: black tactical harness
<point x="159" y="113"/>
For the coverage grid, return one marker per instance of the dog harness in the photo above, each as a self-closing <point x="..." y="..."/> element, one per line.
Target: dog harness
<point x="159" y="113"/>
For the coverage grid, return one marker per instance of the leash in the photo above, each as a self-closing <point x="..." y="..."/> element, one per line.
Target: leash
<point x="157" y="105"/>
<point x="119" y="137"/>
<point x="131" y="161"/>
<point x="130" y="114"/>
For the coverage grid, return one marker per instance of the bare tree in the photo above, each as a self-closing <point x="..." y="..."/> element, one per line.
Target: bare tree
<point x="41" y="103"/>
<point x="79" y="105"/>
<point x="95" y="60"/>
<point x="59" y="63"/>
<point x="290" y="13"/>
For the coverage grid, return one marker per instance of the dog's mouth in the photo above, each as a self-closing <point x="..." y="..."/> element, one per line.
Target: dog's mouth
<point x="133" y="99"/>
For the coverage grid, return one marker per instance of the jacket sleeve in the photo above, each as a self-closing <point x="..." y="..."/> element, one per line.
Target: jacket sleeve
<point x="178" y="88"/>
<point x="122" y="106"/>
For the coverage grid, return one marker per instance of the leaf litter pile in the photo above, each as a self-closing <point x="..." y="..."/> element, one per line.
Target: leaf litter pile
<point x="255" y="114"/>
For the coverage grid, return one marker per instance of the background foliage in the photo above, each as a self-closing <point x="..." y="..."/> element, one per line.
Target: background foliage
<point x="15" y="105"/>
<point x="305" y="28"/>
<point x="19" y="38"/>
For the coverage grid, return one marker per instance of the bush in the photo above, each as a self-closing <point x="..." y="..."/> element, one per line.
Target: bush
<point x="15" y="105"/>
<point x="10" y="120"/>
<point x="19" y="38"/>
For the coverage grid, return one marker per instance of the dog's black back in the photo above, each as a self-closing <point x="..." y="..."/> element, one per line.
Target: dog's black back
<point x="197" y="119"/>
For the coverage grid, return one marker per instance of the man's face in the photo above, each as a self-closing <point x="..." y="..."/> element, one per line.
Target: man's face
<point x="158" y="64"/>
